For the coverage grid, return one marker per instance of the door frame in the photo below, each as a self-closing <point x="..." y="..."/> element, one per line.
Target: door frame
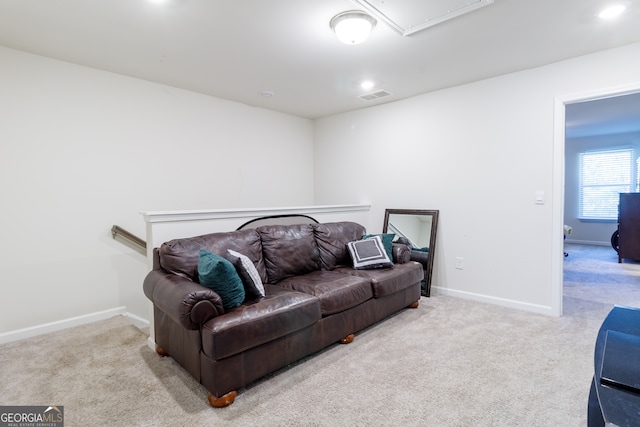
<point x="559" y="123"/>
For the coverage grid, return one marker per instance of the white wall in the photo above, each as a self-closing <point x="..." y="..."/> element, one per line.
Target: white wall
<point x="83" y="149"/>
<point x="588" y="231"/>
<point x="478" y="153"/>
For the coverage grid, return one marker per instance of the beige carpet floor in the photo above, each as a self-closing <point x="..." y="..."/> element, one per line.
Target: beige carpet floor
<point x="451" y="362"/>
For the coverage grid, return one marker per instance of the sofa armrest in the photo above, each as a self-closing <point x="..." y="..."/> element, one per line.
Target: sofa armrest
<point x="421" y="257"/>
<point x="401" y="253"/>
<point x="186" y="302"/>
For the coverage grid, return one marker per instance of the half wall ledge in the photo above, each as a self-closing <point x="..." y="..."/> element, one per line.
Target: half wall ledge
<point x="213" y="214"/>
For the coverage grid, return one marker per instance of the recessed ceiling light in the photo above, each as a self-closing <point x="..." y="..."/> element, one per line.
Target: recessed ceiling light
<point x="612" y="11"/>
<point x="367" y="84"/>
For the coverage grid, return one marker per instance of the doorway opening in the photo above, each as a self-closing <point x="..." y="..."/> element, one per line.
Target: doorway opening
<point x="587" y="118"/>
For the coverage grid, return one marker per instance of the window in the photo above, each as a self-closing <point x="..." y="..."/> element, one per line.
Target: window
<point x="638" y="175"/>
<point x="603" y="176"/>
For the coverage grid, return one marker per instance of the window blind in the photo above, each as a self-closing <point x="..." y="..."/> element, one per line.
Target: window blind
<point x="603" y="176"/>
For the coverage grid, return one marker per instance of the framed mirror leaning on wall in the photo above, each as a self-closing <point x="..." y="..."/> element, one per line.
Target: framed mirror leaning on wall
<point x="416" y="228"/>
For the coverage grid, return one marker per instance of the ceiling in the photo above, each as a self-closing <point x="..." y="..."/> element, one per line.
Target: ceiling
<point x="240" y="49"/>
<point x="619" y="114"/>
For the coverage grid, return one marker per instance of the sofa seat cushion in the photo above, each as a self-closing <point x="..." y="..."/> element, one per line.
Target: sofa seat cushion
<point x="387" y="281"/>
<point x="279" y="313"/>
<point x="337" y="292"/>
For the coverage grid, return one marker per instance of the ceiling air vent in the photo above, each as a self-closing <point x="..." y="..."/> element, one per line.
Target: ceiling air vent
<point x="375" y="95"/>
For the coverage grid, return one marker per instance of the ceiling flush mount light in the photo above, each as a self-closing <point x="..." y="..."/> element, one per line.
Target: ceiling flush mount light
<point x="353" y="26"/>
<point x="612" y="12"/>
<point x="367" y="84"/>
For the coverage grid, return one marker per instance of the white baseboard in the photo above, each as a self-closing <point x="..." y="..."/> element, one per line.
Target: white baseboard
<point x="137" y="321"/>
<point x="59" y="325"/>
<point x="519" y="305"/>
<point x="588" y="242"/>
<point x="151" y="343"/>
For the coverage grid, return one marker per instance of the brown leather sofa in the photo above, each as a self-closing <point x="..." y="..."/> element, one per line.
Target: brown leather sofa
<point x="314" y="298"/>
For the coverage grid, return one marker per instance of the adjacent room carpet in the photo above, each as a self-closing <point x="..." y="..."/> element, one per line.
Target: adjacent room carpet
<point x="451" y="362"/>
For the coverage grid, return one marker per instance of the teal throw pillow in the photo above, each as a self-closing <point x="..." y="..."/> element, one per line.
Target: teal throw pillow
<point x="220" y="275"/>
<point x="387" y="242"/>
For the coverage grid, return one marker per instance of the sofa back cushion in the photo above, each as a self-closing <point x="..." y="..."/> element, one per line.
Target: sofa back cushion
<point x="288" y="250"/>
<point x="332" y="239"/>
<point x="180" y="256"/>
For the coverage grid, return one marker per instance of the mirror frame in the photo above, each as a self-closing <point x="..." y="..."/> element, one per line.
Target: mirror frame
<point x="428" y="269"/>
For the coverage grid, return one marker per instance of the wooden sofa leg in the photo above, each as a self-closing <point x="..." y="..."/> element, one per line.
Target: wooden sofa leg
<point x="348" y="339"/>
<point x="414" y="304"/>
<point x="161" y="351"/>
<point x="223" y="401"/>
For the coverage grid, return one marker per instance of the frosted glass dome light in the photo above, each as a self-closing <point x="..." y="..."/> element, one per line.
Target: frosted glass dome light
<point x="352" y="27"/>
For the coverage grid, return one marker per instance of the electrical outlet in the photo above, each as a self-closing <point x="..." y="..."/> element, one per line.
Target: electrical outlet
<point x="459" y="263"/>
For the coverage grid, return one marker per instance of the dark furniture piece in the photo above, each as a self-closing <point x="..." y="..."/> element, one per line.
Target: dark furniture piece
<point x="314" y="298"/>
<point x="416" y="228"/>
<point x="615" y="389"/>
<point x="629" y="226"/>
